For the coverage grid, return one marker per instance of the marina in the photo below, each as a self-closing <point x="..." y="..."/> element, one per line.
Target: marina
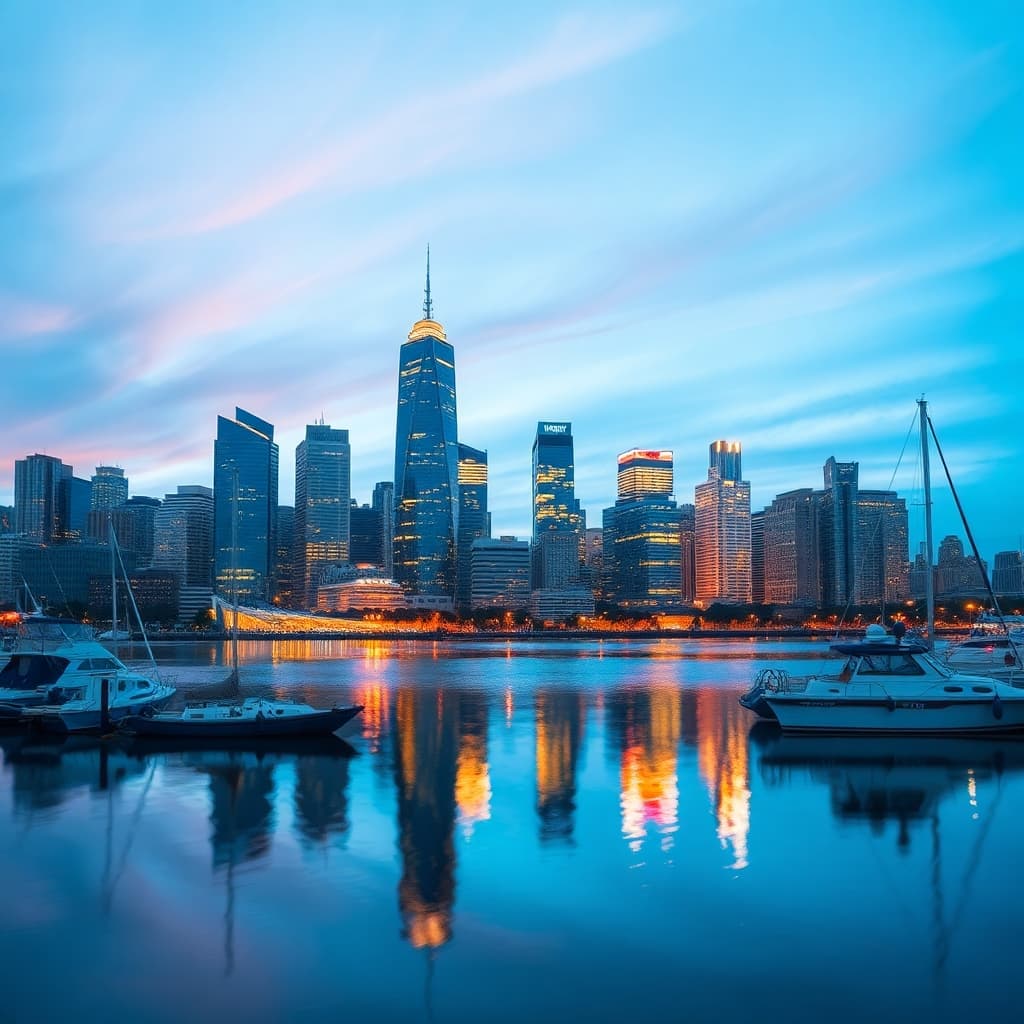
<point x="511" y="831"/>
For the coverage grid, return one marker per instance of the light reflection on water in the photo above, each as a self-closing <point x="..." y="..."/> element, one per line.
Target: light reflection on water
<point x="592" y="831"/>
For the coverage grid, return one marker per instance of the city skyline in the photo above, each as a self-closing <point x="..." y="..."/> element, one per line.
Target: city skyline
<point x="623" y="238"/>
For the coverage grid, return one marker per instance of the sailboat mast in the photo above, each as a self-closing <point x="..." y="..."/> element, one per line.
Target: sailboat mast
<point x="113" y="582"/>
<point x="234" y="576"/>
<point x="929" y="583"/>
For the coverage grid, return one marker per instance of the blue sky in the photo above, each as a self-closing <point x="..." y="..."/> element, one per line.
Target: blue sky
<point x="778" y="223"/>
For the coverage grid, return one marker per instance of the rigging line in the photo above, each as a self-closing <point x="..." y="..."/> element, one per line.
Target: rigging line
<point x="60" y="587"/>
<point x="970" y="536"/>
<point x="132" y="829"/>
<point x="874" y="533"/>
<point x="135" y="607"/>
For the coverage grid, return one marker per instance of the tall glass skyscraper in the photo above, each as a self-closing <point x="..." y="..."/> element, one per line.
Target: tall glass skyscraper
<point x="426" y="460"/>
<point x="383" y="501"/>
<point x="245" y="445"/>
<point x="323" y="485"/>
<point x="722" y="545"/>
<point x="42" y="497"/>
<point x="837" y="532"/>
<point x="473" y="517"/>
<point x="109" y="487"/>
<point x="557" y="522"/>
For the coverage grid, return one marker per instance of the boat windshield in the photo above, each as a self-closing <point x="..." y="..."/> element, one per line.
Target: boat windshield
<point x="898" y="663"/>
<point x="936" y="665"/>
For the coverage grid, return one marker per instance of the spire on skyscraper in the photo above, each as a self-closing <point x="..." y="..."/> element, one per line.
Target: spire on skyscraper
<point x="428" y="306"/>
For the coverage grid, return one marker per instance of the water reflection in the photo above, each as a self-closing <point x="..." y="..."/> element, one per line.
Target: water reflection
<point x="558" y="732"/>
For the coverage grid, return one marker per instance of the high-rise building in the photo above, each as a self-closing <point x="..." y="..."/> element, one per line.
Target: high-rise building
<point x="757" y="557"/>
<point x="383" y="501"/>
<point x="837" y="533"/>
<point x="183" y="544"/>
<point x="791" y="549"/>
<point x="558" y="525"/>
<point x="1008" y="573"/>
<point x="79" y="504"/>
<point x="499" y="573"/>
<point x="286" y="571"/>
<point x="687" y="553"/>
<point x="883" y="548"/>
<point x="245" y="451"/>
<point x="366" y="536"/>
<point x="641" y="536"/>
<point x="109" y="487"/>
<point x="473" y="518"/>
<point x="722" y="529"/>
<point x="957" y="573"/>
<point x="323" y="485"/>
<point x="42" y="498"/>
<point x="426" y="460"/>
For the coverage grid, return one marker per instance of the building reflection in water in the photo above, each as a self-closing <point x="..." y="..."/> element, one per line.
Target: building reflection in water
<point x="646" y="725"/>
<point x="426" y="757"/>
<point x="472" y="773"/>
<point x="559" y="730"/>
<point x="724" y="764"/>
<point x="321" y="796"/>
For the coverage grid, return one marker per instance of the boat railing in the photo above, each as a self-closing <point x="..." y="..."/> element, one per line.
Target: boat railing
<point x="778" y="680"/>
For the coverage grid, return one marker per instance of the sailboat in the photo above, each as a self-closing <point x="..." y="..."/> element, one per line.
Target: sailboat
<point x="249" y="717"/>
<point x="890" y="682"/>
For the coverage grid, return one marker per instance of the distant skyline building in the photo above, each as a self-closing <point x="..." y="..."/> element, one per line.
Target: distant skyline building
<point x="366" y="536"/>
<point x="958" y="573"/>
<point x="323" y="492"/>
<point x="383" y="501"/>
<point x="558" y="524"/>
<point x="245" y="446"/>
<point x="791" y="549"/>
<point x="1008" y="573"/>
<point x="883" y="548"/>
<point x="499" y="573"/>
<point x="42" y="498"/>
<point x="474" y="520"/>
<point x="286" y="570"/>
<point x="722" y="544"/>
<point x="183" y="544"/>
<point x="426" y="460"/>
<point x="687" y="553"/>
<point x="109" y="487"/>
<point x="837" y="533"/>
<point x="79" y="504"/>
<point x="757" y="557"/>
<point x="645" y="473"/>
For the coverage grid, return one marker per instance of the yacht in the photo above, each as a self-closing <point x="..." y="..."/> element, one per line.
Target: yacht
<point x="993" y="649"/>
<point x="892" y="683"/>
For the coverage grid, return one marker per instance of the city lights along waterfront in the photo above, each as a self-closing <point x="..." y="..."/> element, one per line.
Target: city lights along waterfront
<point x="587" y="831"/>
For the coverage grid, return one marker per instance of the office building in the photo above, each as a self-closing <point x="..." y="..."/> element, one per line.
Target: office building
<point x="1008" y="573"/>
<point x="757" y="557"/>
<point x="473" y="518"/>
<point x="383" y="501"/>
<point x="245" y="454"/>
<point x="499" y="573"/>
<point x="883" y="548"/>
<point x="109" y="487"/>
<point x="366" y="536"/>
<point x="79" y="504"/>
<point x="286" y="574"/>
<point x="687" y="553"/>
<point x="183" y="544"/>
<point x="42" y="498"/>
<point x="791" y="549"/>
<point x="722" y="545"/>
<point x="323" y="485"/>
<point x="426" y="461"/>
<point x="957" y="573"/>
<point x="837" y="533"/>
<point x="558" y="525"/>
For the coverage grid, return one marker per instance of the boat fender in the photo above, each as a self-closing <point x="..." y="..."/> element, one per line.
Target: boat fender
<point x="997" y="707"/>
<point x="890" y="703"/>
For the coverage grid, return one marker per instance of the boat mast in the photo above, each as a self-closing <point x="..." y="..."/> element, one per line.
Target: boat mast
<point x="113" y="582"/>
<point x="929" y="583"/>
<point x="234" y="575"/>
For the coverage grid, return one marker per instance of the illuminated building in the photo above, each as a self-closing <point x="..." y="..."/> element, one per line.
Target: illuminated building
<point x="837" y="533"/>
<point x="245" y="450"/>
<point x="687" y="556"/>
<point x="133" y="523"/>
<point x="366" y="536"/>
<point x="641" y="536"/>
<point x="109" y="487"/>
<point x="55" y="574"/>
<point x="472" y="772"/>
<point x="41" y="498"/>
<point x="559" y="728"/>
<point x="383" y="501"/>
<point x="883" y="548"/>
<point x="285" y="569"/>
<point x="757" y="557"/>
<point x="558" y="524"/>
<point x="183" y="543"/>
<point x="499" y="573"/>
<point x="473" y="518"/>
<point x="1008" y="573"/>
<point x="957" y="573"/>
<point x="361" y="592"/>
<point x="426" y="460"/>
<point x="323" y="472"/>
<point x="722" y="530"/>
<point x="791" y="549"/>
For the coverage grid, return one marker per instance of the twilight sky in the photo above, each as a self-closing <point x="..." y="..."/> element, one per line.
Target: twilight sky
<point x="778" y="223"/>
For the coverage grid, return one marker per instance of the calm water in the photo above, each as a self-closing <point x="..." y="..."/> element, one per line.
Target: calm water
<point x="513" y="832"/>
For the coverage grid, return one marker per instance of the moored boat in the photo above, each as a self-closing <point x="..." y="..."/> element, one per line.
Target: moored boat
<point x="249" y="717"/>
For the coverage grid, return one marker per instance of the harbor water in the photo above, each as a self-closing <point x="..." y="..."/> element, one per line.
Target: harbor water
<point x="511" y="831"/>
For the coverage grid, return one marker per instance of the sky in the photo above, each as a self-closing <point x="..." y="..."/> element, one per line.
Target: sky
<point x="777" y="223"/>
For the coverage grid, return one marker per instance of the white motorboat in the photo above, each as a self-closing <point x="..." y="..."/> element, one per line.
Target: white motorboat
<point x="889" y="683"/>
<point x="993" y="649"/>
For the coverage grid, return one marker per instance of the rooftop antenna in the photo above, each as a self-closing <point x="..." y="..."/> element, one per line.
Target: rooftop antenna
<point x="428" y="306"/>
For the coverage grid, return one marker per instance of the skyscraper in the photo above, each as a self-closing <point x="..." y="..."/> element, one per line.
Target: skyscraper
<point x="245" y="445"/>
<point x="557" y="522"/>
<point x="837" y="533"/>
<point x="472" y="517"/>
<point x="42" y="497"/>
<point x="183" y="544"/>
<point x="426" y="460"/>
<point x="383" y="501"/>
<point x="641" y="535"/>
<point x="323" y="485"/>
<point x="791" y="549"/>
<point x="722" y="543"/>
<point x="109" y="487"/>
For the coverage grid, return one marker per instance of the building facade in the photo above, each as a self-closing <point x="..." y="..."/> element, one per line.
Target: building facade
<point x="244" y="451"/>
<point x="383" y="501"/>
<point x="183" y="544"/>
<point x="837" y="533"/>
<point x="722" y="544"/>
<point x="473" y="519"/>
<point x="109" y="487"/>
<point x="499" y="573"/>
<point x="883" y="548"/>
<point x="426" y="461"/>
<point x="42" y="498"/>
<point x="323" y="486"/>
<point x="791" y="549"/>
<point x="558" y="525"/>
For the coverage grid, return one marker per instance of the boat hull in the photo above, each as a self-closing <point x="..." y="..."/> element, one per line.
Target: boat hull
<point x="316" y="723"/>
<point x="887" y="715"/>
